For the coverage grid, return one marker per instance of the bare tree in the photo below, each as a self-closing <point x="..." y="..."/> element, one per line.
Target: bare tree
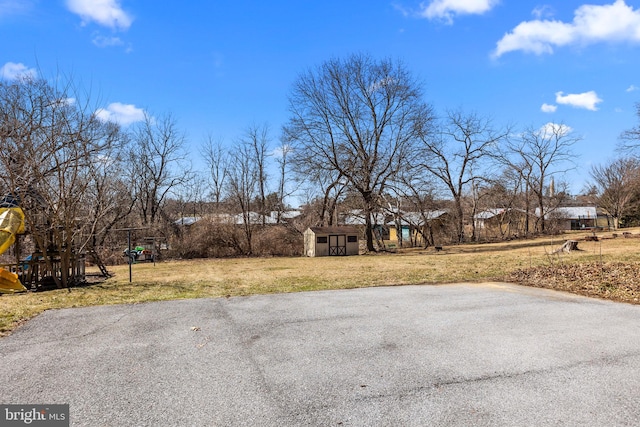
<point x="52" y="148"/>
<point x="519" y="171"/>
<point x="539" y="155"/>
<point x="256" y="138"/>
<point x="360" y="118"/>
<point x="282" y="156"/>
<point x="474" y="201"/>
<point x="508" y="192"/>
<point x="456" y="151"/>
<point x="242" y="188"/>
<point x="408" y="199"/>
<point x="630" y="139"/>
<point x="324" y="187"/>
<point x="617" y="184"/>
<point x="217" y="161"/>
<point x="110" y="196"/>
<point x="158" y="164"/>
<point x="189" y="195"/>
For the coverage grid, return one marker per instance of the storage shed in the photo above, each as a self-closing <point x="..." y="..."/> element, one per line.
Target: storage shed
<point x="331" y="241"/>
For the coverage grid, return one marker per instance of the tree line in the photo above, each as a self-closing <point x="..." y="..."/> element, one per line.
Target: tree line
<point x="360" y="136"/>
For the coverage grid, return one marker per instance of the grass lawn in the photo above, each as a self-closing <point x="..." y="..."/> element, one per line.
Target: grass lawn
<point x="607" y="268"/>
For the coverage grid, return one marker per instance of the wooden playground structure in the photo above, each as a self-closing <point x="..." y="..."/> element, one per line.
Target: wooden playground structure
<point x="40" y="270"/>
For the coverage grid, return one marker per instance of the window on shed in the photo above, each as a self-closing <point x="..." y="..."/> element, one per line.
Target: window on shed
<point x="321" y="239"/>
<point x="352" y="239"/>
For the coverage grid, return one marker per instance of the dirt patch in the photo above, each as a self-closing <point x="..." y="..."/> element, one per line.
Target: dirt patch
<point x="615" y="281"/>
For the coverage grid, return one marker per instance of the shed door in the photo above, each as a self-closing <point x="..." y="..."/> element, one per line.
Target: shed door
<point x="337" y="245"/>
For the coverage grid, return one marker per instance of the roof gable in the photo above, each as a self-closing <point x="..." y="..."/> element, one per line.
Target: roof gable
<point x="334" y="230"/>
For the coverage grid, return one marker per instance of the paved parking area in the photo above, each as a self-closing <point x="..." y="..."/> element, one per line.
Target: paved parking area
<point x="451" y="355"/>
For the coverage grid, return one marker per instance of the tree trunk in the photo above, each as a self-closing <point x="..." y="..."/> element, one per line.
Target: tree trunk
<point x="459" y="220"/>
<point x="568" y="246"/>
<point x="369" y="232"/>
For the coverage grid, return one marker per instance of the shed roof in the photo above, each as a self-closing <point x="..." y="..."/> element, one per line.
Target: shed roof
<point x="358" y="218"/>
<point x="252" y="217"/>
<point x="334" y="230"/>
<point x="187" y="220"/>
<point x="489" y="213"/>
<point x="417" y="218"/>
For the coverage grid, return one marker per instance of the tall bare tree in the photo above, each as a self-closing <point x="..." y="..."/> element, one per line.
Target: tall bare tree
<point x="617" y="184"/>
<point x="158" y="164"/>
<point x="282" y="155"/>
<point x="217" y="161"/>
<point x="541" y="154"/>
<point x="256" y="138"/>
<point x="454" y="155"/>
<point x="242" y="188"/>
<point x="360" y="118"/>
<point x="518" y="171"/>
<point x="110" y="195"/>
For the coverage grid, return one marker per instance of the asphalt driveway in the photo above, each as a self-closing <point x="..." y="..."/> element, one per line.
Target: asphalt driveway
<point x="454" y="355"/>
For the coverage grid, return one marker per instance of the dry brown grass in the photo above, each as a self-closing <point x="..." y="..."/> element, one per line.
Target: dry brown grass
<point x="517" y="261"/>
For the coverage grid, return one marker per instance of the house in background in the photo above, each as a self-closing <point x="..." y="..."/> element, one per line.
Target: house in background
<point x="187" y="220"/>
<point x="419" y="228"/>
<point x="331" y="241"/>
<point x="502" y="223"/>
<point x="577" y="217"/>
<point x="356" y="218"/>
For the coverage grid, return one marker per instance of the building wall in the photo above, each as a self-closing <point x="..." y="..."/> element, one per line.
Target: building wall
<point x="309" y="243"/>
<point x="317" y="244"/>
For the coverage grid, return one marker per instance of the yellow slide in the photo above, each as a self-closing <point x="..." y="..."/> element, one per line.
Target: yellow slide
<point x="11" y="223"/>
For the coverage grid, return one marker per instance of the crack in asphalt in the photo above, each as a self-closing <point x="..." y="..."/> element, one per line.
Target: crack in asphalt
<point x="506" y="376"/>
<point x="262" y="381"/>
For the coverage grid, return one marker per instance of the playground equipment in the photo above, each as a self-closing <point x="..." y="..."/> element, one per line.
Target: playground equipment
<point x="138" y="254"/>
<point x="11" y="224"/>
<point x="57" y="265"/>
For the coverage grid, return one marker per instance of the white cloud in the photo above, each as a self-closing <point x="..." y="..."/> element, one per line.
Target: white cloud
<point x="547" y="108"/>
<point x="586" y="100"/>
<point x="103" y="41"/>
<point x="550" y="129"/>
<point x="544" y="11"/>
<point x="616" y="22"/>
<point x="632" y="88"/>
<point x="124" y="114"/>
<point x="107" y="13"/>
<point x="12" y="71"/>
<point x="403" y="10"/>
<point x="446" y="9"/>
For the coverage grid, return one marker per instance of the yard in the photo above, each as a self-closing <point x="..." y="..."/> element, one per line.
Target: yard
<point x="606" y="268"/>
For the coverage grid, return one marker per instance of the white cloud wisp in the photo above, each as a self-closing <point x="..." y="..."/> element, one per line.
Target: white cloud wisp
<point x="103" y="41"/>
<point x="616" y="22"/>
<point x="446" y="9"/>
<point x="547" y="108"/>
<point x="123" y="114"/>
<point x="14" y="7"/>
<point x="587" y="100"/>
<point x="551" y="129"/>
<point x="107" y="13"/>
<point x="12" y="71"/>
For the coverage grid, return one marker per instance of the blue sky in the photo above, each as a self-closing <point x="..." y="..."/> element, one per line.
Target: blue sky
<point x="221" y="66"/>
